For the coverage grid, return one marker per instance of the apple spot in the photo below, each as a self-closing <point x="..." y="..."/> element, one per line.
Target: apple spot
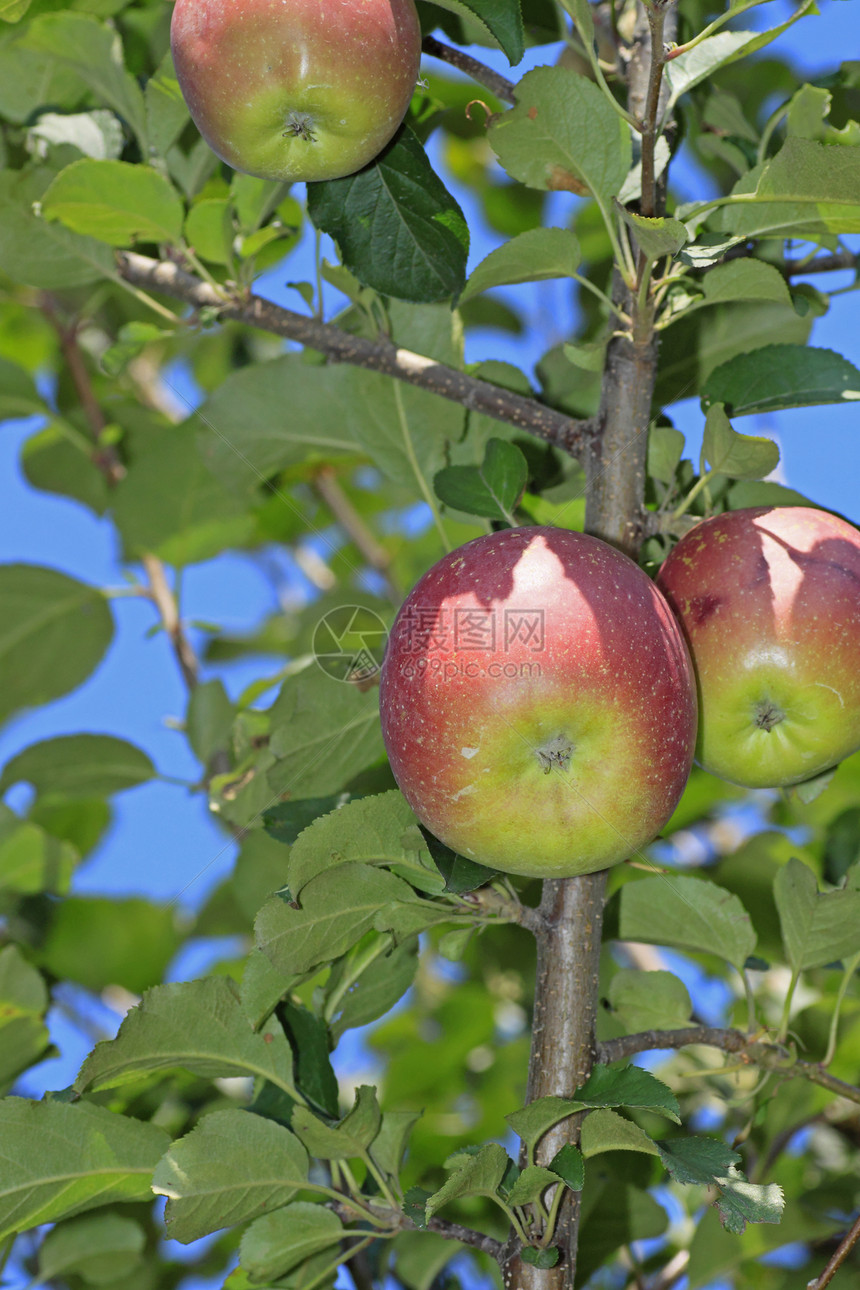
<point x="555" y="753"/>
<point x="768" y="714"/>
<point x="300" y="125"/>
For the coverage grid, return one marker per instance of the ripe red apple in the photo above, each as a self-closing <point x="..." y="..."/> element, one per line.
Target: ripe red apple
<point x="296" y="89"/>
<point x="538" y="704"/>
<point x="769" y="602"/>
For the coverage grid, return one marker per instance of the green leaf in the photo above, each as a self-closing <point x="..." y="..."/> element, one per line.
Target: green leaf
<point x="54" y="632"/>
<point x="377" y="989"/>
<point x="40" y="254"/>
<point x="563" y="134"/>
<point x="745" y="279"/>
<point x="116" y="202"/>
<point x="419" y="1257"/>
<point x="397" y="227"/>
<point x="689" y="913"/>
<point x="32" y="860"/>
<point x="231" y="1167"/>
<point x="101" y="1248"/>
<point x="388" y="1148"/>
<point x="166" y="112"/>
<point x="665" y="446"/>
<point x="493" y="489"/>
<point x="209" y="230"/>
<point x="534" y="256"/>
<point x="23" y="1003"/>
<point x="379" y="830"/>
<point x="478" y="1175"/>
<point x="94" y="52"/>
<point x="656" y="237"/>
<point x="605" y="1086"/>
<point x="87" y="1157"/>
<point x="694" y="345"/>
<point x="79" y="766"/>
<point x="708" y="1162"/>
<point x="568" y="1163"/>
<point x="198" y="1026"/>
<point x="688" y="69"/>
<point x="209" y="720"/>
<point x="501" y="18"/>
<point x="323" y="732"/>
<point x="414" y="1205"/>
<point x="740" y="456"/>
<point x="286" y="820"/>
<point x="338" y="907"/>
<point x="276" y="1243"/>
<point x="606" y="1130"/>
<point x="99" y="941"/>
<point x="540" y="1256"/>
<point x="18" y="394"/>
<point x="649" y="1000"/>
<point x="808" y="189"/>
<point x="817" y="927"/>
<point x="782" y="376"/>
<point x="460" y="873"/>
<point x="309" y="1040"/>
<point x="531" y="1184"/>
<point x="96" y="134"/>
<point x="343" y="1141"/>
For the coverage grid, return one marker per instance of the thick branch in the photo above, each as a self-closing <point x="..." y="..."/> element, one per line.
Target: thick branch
<point x="822" y="264"/>
<point x="496" y="84"/>
<point x="656" y="21"/>
<point x="377" y="355"/>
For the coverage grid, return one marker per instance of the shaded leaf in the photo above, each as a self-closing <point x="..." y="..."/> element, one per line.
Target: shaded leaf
<point x="278" y="1242"/>
<point x="492" y="489"/>
<point x="477" y="1175"/>
<point x="649" y="1000"/>
<point x="101" y="1248"/>
<point x="568" y="1163"/>
<point x="343" y="1141"/>
<point x="79" y="766"/>
<point x="116" y="202"/>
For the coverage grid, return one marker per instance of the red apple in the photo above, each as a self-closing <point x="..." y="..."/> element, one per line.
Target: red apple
<point x="538" y="704"/>
<point x="769" y="602"/>
<point x="296" y="89"/>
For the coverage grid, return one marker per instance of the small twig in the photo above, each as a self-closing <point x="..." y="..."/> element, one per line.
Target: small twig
<point x="772" y="1057"/>
<point x="165" y="602"/>
<point x="104" y="456"/>
<point x="456" y="1232"/>
<point x="373" y="552"/>
<point x="822" y="264"/>
<point x="493" y="81"/>
<point x="377" y="355"/>
<point x="840" y="1254"/>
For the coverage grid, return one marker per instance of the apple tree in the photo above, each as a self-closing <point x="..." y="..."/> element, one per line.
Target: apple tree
<point x="639" y="1077"/>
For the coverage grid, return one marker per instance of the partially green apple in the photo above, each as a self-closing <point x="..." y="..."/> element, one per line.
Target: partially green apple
<point x="296" y="89"/>
<point x="769" y="602"/>
<point x="538" y="703"/>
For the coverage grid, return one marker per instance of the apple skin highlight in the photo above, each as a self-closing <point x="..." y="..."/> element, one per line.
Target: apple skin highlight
<point x="538" y="703"/>
<point x="296" y="89"/>
<point x="769" y="602"/>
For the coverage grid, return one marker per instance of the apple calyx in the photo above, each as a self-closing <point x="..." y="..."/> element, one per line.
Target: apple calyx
<point x="300" y="125"/>
<point x="556" y="752"/>
<point x="768" y="714"/>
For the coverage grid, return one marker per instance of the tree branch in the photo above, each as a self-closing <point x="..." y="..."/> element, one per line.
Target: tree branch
<point x="840" y="1254"/>
<point x="378" y="355"/>
<point x="165" y="602"/>
<point x="773" y="1057"/>
<point x="456" y="1232"/>
<point x="656" y="22"/>
<point x="495" y="83"/>
<point x="328" y="487"/>
<point x="822" y="264"/>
